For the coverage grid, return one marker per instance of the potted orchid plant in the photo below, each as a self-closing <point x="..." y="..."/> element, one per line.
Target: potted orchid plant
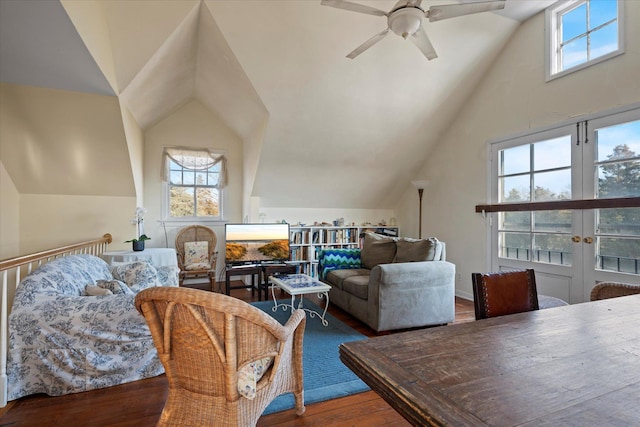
<point x="138" y="221"/>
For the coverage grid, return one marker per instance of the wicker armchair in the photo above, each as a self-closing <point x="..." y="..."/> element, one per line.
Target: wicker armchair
<point x="204" y="339"/>
<point x="606" y="290"/>
<point x="195" y="235"/>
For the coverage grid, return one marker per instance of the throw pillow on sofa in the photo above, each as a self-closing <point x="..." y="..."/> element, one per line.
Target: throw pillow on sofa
<point x="115" y="286"/>
<point x="415" y="250"/>
<point x="338" y="259"/>
<point x="377" y="249"/>
<point x="138" y="275"/>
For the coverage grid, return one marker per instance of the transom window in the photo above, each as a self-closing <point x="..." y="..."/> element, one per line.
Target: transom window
<point x="194" y="182"/>
<point x="581" y="33"/>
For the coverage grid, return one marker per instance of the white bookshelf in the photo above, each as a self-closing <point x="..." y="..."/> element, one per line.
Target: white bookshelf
<point x="306" y="241"/>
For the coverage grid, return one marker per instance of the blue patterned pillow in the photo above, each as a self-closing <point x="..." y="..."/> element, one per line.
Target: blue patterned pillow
<point x="337" y="259"/>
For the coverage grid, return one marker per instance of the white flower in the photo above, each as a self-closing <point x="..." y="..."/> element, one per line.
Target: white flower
<point x="139" y="215"/>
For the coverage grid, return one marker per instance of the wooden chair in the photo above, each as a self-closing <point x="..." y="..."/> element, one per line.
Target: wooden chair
<point x="508" y="292"/>
<point x="606" y="290"/>
<point x="204" y="339"/>
<point x="185" y="238"/>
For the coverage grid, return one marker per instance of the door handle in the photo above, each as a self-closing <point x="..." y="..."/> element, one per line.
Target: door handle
<point x="588" y="240"/>
<point x="576" y="239"/>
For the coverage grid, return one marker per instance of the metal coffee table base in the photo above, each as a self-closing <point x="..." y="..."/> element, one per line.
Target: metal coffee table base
<point x="292" y="305"/>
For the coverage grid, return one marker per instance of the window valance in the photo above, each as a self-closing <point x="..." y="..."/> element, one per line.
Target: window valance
<point x="199" y="159"/>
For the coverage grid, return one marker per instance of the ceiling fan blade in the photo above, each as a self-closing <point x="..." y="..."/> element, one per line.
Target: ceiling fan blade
<point x="438" y="13"/>
<point x="353" y="7"/>
<point x="420" y="39"/>
<point x="366" y="45"/>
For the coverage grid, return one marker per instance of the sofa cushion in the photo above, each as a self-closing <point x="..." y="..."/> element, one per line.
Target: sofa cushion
<point x="338" y="259"/>
<point x="357" y="286"/>
<point x="415" y="250"/>
<point x="377" y="249"/>
<point x="336" y="277"/>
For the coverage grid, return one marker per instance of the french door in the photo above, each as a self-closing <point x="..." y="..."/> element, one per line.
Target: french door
<point x="570" y="249"/>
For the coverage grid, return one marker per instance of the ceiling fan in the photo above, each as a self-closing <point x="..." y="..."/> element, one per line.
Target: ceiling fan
<point x="406" y="17"/>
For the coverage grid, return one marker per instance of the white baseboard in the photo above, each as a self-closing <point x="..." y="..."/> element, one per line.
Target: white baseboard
<point x="464" y="295"/>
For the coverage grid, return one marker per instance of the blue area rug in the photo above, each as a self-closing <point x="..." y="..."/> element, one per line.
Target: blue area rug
<point x="325" y="376"/>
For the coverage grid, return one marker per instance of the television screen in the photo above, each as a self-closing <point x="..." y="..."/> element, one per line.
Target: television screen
<point x="256" y="243"/>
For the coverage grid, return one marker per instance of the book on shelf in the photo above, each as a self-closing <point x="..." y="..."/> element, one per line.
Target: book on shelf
<point x="387" y="231"/>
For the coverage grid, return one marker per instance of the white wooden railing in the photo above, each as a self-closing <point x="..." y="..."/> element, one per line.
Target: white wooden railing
<point x="12" y="271"/>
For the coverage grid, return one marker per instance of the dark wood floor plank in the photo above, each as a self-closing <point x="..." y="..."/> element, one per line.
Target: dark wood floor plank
<point x="140" y="403"/>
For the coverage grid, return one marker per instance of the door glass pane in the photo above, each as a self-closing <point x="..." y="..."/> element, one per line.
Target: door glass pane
<point x="515" y="189"/>
<point x="552" y="221"/>
<point x="552" y="154"/>
<point x="515" y="221"/>
<point x="622" y="255"/>
<point x="515" y="160"/>
<point x="515" y="245"/>
<point x="554" y="185"/>
<point x="552" y="249"/>
<point x="618" y="160"/>
<point x="618" y="240"/>
<point x="613" y="139"/>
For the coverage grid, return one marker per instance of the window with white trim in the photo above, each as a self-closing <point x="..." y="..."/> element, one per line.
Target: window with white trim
<point x="581" y="33"/>
<point x="194" y="179"/>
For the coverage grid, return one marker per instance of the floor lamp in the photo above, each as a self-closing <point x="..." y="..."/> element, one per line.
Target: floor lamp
<point x="420" y="185"/>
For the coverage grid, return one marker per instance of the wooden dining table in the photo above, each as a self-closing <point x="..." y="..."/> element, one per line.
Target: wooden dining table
<point x="577" y="365"/>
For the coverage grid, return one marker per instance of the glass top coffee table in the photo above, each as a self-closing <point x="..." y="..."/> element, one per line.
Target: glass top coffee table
<point x="300" y="284"/>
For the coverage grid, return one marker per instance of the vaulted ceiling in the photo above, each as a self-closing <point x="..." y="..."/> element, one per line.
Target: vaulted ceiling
<point x="340" y="133"/>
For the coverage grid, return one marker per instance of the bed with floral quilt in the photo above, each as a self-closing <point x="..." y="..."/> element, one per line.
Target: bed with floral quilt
<point x="73" y="326"/>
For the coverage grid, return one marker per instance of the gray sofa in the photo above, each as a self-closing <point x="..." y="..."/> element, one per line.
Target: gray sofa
<point x="391" y="283"/>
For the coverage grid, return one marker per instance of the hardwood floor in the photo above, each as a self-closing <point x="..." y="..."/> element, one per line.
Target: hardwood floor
<point x="140" y="403"/>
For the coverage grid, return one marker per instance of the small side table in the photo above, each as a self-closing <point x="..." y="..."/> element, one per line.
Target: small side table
<point x="300" y="284"/>
<point x="157" y="256"/>
<point x="269" y="270"/>
<point x="242" y="270"/>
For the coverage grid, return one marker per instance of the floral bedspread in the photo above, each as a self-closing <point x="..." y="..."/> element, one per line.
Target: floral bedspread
<point x="63" y="341"/>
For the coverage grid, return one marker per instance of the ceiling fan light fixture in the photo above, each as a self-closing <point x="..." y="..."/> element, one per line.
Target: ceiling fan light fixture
<point x="405" y="22"/>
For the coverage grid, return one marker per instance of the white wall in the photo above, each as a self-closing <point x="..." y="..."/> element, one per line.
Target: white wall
<point x="68" y="177"/>
<point x="193" y="125"/>
<point x="512" y="98"/>
<point x="9" y="216"/>
<point x="308" y="216"/>
<point x="48" y="220"/>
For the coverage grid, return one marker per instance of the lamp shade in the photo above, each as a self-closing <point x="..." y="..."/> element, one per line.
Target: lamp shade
<point x="420" y="184"/>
